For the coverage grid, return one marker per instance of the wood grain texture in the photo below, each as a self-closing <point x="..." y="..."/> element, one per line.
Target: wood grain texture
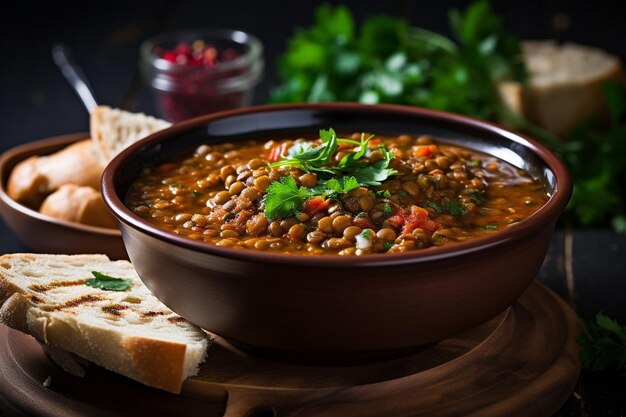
<point x="522" y="363"/>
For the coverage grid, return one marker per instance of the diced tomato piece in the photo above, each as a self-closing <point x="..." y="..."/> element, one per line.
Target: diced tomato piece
<point x="277" y="153"/>
<point x="418" y="218"/>
<point x="363" y="222"/>
<point x="425" y="150"/>
<point x="316" y="204"/>
<point x="376" y="141"/>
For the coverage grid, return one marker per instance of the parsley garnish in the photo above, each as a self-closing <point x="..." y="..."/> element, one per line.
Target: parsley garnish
<point x="105" y="282"/>
<point x="489" y="227"/>
<point x="387" y="208"/>
<point x="383" y="194"/>
<point x="455" y="208"/>
<point x="387" y="245"/>
<point x="434" y="206"/>
<point x="477" y="196"/>
<point x="603" y="344"/>
<point x="367" y="234"/>
<point x="284" y="198"/>
<point x="316" y="159"/>
<point x="361" y="215"/>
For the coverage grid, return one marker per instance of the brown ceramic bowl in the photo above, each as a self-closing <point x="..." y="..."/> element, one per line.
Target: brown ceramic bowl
<point x="325" y="307"/>
<point x="43" y="233"/>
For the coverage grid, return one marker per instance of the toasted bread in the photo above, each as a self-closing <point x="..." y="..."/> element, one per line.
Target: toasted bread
<point x="113" y="130"/>
<point x="129" y="332"/>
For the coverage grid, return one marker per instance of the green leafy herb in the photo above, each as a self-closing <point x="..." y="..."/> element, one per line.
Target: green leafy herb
<point x="434" y="206"/>
<point x="402" y="193"/>
<point x="387" y="208"/>
<point x="388" y="61"/>
<point x="367" y="234"/>
<point x="108" y="283"/>
<point x="317" y="159"/>
<point x="489" y="227"/>
<point x="477" y="196"/>
<point x="284" y="198"/>
<point x="596" y="158"/>
<point x="361" y="215"/>
<point x="455" y="208"/>
<point x="383" y="194"/>
<point x="603" y="344"/>
<point x="387" y="245"/>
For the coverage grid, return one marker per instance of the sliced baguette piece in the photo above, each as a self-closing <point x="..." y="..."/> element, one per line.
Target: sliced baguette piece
<point x="129" y="332"/>
<point x="564" y="84"/>
<point x="113" y="130"/>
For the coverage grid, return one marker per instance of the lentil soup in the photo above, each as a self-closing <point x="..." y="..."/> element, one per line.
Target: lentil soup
<point x="345" y="195"/>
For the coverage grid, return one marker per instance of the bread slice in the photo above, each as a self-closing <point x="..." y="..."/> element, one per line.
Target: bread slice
<point x="129" y="332"/>
<point x="78" y="204"/>
<point x="113" y="130"/>
<point x="564" y="85"/>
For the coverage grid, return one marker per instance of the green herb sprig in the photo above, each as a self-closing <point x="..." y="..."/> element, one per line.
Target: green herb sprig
<point x="283" y="198"/>
<point x="603" y="344"/>
<point x="108" y="283"/>
<point x="317" y="159"/>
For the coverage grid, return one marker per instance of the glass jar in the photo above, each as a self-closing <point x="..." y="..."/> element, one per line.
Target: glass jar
<point x="183" y="88"/>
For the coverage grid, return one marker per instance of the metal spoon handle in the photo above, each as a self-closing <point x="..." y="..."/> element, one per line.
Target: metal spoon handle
<point x="62" y="56"/>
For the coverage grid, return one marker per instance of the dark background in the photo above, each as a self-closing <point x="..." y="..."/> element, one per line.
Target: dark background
<point x="586" y="267"/>
<point x="105" y="36"/>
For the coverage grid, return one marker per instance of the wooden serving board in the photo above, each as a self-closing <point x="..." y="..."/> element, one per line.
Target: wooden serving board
<point x="522" y="363"/>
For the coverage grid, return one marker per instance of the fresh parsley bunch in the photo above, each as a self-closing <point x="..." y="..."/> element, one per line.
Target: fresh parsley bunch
<point x="387" y="61"/>
<point x="603" y="344"/>
<point x="596" y="158"/>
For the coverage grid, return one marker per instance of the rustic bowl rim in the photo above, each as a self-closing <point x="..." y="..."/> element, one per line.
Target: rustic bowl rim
<point x="17" y="152"/>
<point x="539" y="220"/>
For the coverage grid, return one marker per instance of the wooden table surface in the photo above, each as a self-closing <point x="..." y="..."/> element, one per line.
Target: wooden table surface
<point x="586" y="267"/>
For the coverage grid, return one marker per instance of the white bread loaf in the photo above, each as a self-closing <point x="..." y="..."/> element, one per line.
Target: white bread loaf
<point x="113" y="130"/>
<point x="129" y="332"/>
<point x="34" y="178"/>
<point x="564" y="84"/>
<point x="78" y="204"/>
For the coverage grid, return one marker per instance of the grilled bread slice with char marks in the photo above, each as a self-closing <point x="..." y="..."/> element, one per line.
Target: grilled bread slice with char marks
<point x="129" y="332"/>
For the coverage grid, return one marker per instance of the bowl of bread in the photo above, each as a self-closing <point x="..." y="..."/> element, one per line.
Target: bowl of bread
<point x="50" y="189"/>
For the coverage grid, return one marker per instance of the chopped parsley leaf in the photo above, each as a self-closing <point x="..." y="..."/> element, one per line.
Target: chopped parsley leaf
<point x="477" y="196"/>
<point x="434" y="206"/>
<point x="455" y="208"/>
<point x="108" y="283"/>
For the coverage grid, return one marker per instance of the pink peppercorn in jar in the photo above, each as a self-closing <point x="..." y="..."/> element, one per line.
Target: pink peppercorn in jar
<point x="198" y="72"/>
